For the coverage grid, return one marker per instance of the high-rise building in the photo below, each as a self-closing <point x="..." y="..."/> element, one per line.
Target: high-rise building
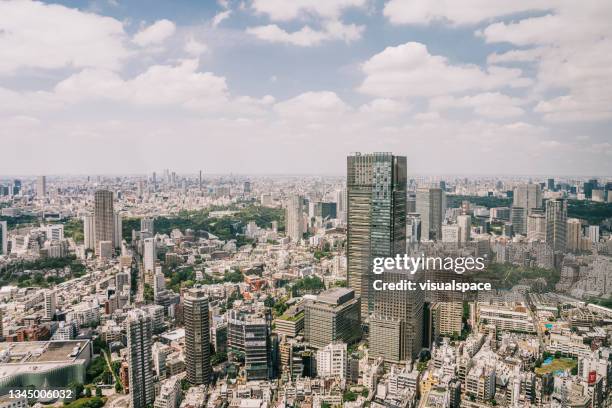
<point x="447" y="318"/>
<point x="332" y="361"/>
<point x="150" y="255"/>
<point x="518" y="218"/>
<point x="104" y="217"/>
<point x="341" y="203"/>
<point x="527" y="196"/>
<point x="249" y="337"/>
<point x="574" y="234"/>
<point x="431" y="205"/>
<point x="401" y="313"/>
<point x="49" y="302"/>
<point x="334" y="315"/>
<point x="594" y="233"/>
<point x="550" y="184"/>
<point x="3" y="238"/>
<point x="376" y="215"/>
<point x="140" y="370"/>
<point x="89" y="232"/>
<point x="197" y="336"/>
<point x="147" y="225"/>
<point x="117" y="230"/>
<point x="536" y="227"/>
<point x="465" y="224"/>
<point x="556" y="224"/>
<point x="295" y="218"/>
<point x="41" y="186"/>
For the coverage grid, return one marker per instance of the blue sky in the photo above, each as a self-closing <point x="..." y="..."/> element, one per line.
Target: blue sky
<point x="287" y="87"/>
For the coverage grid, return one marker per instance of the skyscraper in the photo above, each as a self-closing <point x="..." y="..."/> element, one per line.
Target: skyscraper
<point x="295" y="218"/>
<point x="556" y="223"/>
<point x="150" y="255"/>
<point x="376" y="195"/>
<point x="574" y="234"/>
<point x="518" y="218"/>
<point x="104" y="217"/>
<point x="140" y="370"/>
<point x="89" y="231"/>
<point x="117" y="229"/>
<point x="148" y="225"/>
<point x="49" y="302"/>
<point x="536" y="227"/>
<point x="197" y="336"/>
<point x="3" y="238"/>
<point x="527" y="196"/>
<point x="41" y="186"/>
<point x="431" y="205"/>
<point x="465" y="225"/>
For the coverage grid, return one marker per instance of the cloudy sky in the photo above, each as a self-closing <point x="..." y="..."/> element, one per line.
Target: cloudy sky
<point x="293" y="86"/>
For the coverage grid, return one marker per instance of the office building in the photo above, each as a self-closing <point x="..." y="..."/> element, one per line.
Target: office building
<point x="3" y="238"/>
<point x="536" y="227"/>
<point x="594" y="233"/>
<point x="150" y="255"/>
<point x="556" y="224"/>
<point x="41" y="186"/>
<point x="413" y="228"/>
<point x="527" y="196"/>
<point x="431" y="205"/>
<point x="333" y="316"/>
<point x="447" y="318"/>
<point x="117" y="230"/>
<point x="574" y="234"/>
<point x="295" y="218"/>
<point x="147" y="225"/>
<point x="376" y="193"/>
<point x="332" y="361"/>
<point x="465" y="224"/>
<point x="104" y="217"/>
<point x="249" y="339"/>
<point x="402" y="314"/>
<point x="89" y="232"/>
<point x="197" y="336"/>
<point x="518" y="219"/>
<point x="140" y="370"/>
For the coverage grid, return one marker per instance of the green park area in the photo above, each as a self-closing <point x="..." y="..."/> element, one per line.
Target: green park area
<point x="553" y="365"/>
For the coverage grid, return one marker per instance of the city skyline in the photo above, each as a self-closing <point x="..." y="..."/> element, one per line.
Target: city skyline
<point x="475" y="89"/>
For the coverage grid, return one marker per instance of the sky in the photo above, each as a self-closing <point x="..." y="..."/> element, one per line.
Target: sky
<point x="293" y="86"/>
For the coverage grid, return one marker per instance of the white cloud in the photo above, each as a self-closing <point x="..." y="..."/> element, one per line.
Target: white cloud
<point x="163" y="85"/>
<point x="155" y="34"/>
<point x="306" y="36"/>
<point x="489" y="104"/>
<point x="457" y="12"/>
<point x="194" y="47"/>
<point x="312" y="106"/>
<point x="572" y="49"/>
<point x="410" y="70"/>
<point x="37" y="35"/>
<point x="284" y="10"/>
<point x="528" y="55"/>
<point x="219" y="17"/>
<point x="385" y="106"/>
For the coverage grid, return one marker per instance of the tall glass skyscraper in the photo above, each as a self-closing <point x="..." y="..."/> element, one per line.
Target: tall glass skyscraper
<point x="376" y="215"/>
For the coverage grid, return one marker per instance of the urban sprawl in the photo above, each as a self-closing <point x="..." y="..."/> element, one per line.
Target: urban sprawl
<point x="173" y="290"/>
